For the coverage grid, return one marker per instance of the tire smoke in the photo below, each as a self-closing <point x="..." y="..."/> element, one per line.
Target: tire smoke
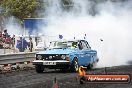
<point x="107" y="21"/>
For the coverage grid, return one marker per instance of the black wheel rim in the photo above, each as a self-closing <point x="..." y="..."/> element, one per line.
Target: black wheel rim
<point x="76" y="65"/>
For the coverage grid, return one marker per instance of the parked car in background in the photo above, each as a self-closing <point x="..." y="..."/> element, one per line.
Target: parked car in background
<point x="66" y="55"/>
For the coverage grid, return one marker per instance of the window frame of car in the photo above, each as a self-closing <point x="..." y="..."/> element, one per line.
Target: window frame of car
<point x="85" y="45"/>
<point x="88" y="46"/>
<point x="80" y="45"/>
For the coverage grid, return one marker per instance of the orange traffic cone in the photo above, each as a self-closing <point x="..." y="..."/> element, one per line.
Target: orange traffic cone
<point x="55" y="85"/>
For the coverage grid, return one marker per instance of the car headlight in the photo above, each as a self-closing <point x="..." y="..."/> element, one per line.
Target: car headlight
<point x="39" y="57"/>
<point x="50" y="57"/>
<point x="67" y="57"/>
<point x="63" y="57"/>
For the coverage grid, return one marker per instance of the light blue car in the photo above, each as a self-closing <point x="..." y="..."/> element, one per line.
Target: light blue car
<point x="66" y="55"/>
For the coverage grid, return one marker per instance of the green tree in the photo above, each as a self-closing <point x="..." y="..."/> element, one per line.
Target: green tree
<point x="19" y="8"/>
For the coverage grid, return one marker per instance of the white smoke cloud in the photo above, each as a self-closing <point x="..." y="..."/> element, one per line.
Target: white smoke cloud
<point x="14" y="26"/>
<point x="113" y="24"/>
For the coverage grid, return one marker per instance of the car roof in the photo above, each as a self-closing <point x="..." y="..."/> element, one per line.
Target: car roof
<point x="67" y="40"/>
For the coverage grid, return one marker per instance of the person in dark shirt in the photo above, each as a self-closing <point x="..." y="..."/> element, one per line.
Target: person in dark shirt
<point x="5" y="34"/>
<point x="22" y="44"/>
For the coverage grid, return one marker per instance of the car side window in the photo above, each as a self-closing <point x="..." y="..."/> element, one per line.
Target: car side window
<point x="80" y="45"/>
<point x="88" y="46"/>
<point x="84" y="45"/>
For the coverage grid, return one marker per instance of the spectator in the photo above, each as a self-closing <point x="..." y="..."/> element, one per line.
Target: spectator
<point x="1" y="40"/>
<point x="22" y="44"/>
<point x="30" y="44"/>
<point x="8" y="42"/>
<point x="5" y="34"/>
<point x="25" y="43"/>
<point x="13" y="40"/>
<point x="18" y="44"/>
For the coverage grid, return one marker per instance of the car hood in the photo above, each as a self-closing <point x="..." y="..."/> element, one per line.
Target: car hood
<point x="57" y="51"/>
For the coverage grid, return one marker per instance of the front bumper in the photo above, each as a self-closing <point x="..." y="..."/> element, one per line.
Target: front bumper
<point x="58" y="64"/>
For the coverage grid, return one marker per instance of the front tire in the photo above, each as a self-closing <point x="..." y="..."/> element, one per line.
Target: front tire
<point x="75" y="65"/>
<point x="39" y="68"/>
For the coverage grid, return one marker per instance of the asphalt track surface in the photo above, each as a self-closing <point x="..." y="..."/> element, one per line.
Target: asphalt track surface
<point x="31" y="79"/>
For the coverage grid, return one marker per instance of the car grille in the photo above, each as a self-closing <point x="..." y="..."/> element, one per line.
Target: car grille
<point x="51" y="56"/>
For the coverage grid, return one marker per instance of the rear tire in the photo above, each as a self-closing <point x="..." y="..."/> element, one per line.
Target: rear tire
<point x="75" y="66"/>
<point x="39" y="68"/>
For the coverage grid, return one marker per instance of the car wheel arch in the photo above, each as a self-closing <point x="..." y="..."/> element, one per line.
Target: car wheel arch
<point x="74" y="58"/>
<point x="75" y="64"/>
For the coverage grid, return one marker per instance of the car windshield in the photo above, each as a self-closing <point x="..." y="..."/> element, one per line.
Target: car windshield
<point x="65" y="44"/>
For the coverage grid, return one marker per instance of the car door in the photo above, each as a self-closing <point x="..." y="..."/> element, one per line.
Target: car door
<point x="86" y="52"/>
<point x="90" y="54"/>
<point x="82" y="54"/>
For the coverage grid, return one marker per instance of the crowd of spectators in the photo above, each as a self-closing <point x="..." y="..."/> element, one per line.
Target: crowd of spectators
<point x="22" y="44"/>
<point x="6" y="41"/>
